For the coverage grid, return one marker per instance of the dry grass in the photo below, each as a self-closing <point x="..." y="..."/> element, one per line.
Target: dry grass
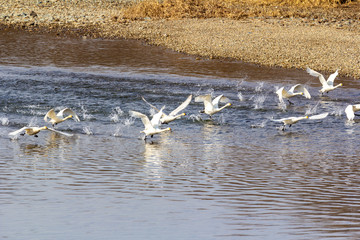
<point x="234" y="9"/>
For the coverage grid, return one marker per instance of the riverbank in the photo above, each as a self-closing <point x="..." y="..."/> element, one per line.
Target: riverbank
<point x="324" y="44"/>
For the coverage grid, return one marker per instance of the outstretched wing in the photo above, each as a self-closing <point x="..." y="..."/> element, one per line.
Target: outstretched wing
<point x="319" y="116"/>
<point x="300" y="88"/>
<point x="51" y="114"/>
<point x="218" y="99"/>
<point x="14" y="133"/>
<point x="182" y="106"/>
<point x="331" y="78"/>
<point x="155" y="108"/>
<point x="59" y="132"/>
<point x="155" y="121"/>
<point x="206" y="99"/>
<point x="67" y="112"/>
<point x="144" y="119"/>
<point x="349" y="111"/>
<point x="316" y="74"/>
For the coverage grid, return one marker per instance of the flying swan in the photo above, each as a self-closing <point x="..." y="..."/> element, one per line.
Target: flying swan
<point x="327" y="85"/>
<point x="59" y="117"/>
<point x="292" y="120"/>
<point x="295" y="90"/>
<point x="165" y="119"/>
<point x="33" y="131"/>
<point x="350" y="111"/>
<point x="151" y="127"/>
<point x="212" y="107"/>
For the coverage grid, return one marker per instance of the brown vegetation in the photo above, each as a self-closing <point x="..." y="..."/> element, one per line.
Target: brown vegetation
<point x="234" y="9"/>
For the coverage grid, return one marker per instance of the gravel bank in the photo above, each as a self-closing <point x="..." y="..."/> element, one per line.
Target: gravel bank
<point x="322" y="44"/>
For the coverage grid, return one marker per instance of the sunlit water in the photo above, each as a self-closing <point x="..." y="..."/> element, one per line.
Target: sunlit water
<point x="233" y="177"/>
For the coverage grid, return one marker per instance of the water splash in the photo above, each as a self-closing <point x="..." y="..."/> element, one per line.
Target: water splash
<point x="221" y="119"/>
<point x="115" y="114"/>
<point x="338" y="111"/>
<point x="241" y="97"/>
<point x="195" y="117"/>
<point x="259" y="87"/>
<point x="258" y="101"/>
<point x="4" y="121"/>
<point x="312" y="110"/>
<point x="84" y="113"/>
<point x="259" y="125"/>
<point x="87" y="130"/>
<point x="118" y="131"/>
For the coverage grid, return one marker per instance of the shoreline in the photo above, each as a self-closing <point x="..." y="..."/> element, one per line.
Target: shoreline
<point x="275" y="42"/>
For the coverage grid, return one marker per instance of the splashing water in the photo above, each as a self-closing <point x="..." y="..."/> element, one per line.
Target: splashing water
<point x="241" y="97"/>
<point x="129" y="121"/>
<point x="116" y="113"/>
<point x="85" y="115"/>
<point x="258" y="101"/>
<point x="259" y="87"/>
<point x="338" y="111"/>
<point x="4" y="121"/>
<point x="195" y="117"/>
<point x="118" y="131"/>
<point x="87" y="130"/>
<point x="312" y="110"/>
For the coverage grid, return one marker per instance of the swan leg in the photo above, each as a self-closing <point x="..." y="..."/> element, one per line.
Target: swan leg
<point x="35" y="135"/>
<point x="152" y="136"/>
<point x="22" y="134"/>
<point x="290" y="102"/>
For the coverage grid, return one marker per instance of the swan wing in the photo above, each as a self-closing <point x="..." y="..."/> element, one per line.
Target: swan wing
<point x="349" y="111"/>
<point x="67" y="112"/>
<point x="145" y="120"/>
<point x="300" y="88"/>
<point x="331" y="78"/>
<point x="155" y="108"/>
<point x="182" y="106"/>
<point x="319" y="116"/>
<point x="14" y="133"/>
<point x="206" y="99"/>
<point x="51" y="114"/>
<point x="316" y="74"/>
<point x="282" y="93"/>
<point x="155" y="121"/>
<point x="59" y="132"/>
<point x="218" y="99"/>
<point x="356" y="107"/>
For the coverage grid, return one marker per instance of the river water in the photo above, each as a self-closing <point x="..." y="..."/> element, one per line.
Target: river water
<point x="236" y="176"/>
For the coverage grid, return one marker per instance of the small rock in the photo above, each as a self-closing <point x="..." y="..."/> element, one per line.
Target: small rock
<point x="33" y="14"/>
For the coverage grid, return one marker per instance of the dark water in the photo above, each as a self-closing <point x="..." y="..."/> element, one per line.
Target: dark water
<point x="235" y="177"/>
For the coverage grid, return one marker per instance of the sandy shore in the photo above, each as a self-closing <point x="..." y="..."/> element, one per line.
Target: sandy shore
<point x="288" y="42"/>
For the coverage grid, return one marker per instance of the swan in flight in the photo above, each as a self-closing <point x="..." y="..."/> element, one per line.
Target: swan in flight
<point x="33" y="131"/>
<point x="59" y="117"/>
<point x="350" y="111"/>
<point x="212" y="107"/>
<point x="292" y="120"/>
<point x="327" y="85"/>
<point x="151" y="127"/>
<point x="295" y="90"/>
<point x="165" y="119"/>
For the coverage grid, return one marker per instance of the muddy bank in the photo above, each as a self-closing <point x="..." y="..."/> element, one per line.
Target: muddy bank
<point x="322" y="44"/>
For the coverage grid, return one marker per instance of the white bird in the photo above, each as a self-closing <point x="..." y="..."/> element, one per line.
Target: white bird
<point x="292" y="120"/>
<point x="59" y="117"/>
<point x="295" y="90"/>
<point x="174" y="114"/>
<point x="350" y="111"/>
<point x="212" y="107"/>
<point x="327" y="85"/>
<point x="33" y="131"/>
<point x="151" y="127"/>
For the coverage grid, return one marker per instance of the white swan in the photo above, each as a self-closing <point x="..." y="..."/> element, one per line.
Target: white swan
<point x="212" y="107"/>
<point x="174" y="114"/>
<point x="327" y="85"/>
<point x="350" y="111"/>
<point x="33" y="131"/>
<point x="295" y="90"/>
<point x="59" y="117"/>
<point x="292" y="120"/>
<point x="151" y="127"/>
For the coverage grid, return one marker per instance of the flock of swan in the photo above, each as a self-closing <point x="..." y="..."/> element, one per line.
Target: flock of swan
<point x="211" y="107"/>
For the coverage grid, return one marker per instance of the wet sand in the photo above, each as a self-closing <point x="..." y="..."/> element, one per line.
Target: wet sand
<point x="324" y="45"/>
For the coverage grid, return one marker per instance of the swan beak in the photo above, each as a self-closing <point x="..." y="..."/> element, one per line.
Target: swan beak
<point x="170" y="129"/>
<point x="301" y="93"/>
<point x="229" y="104"/>
<point x="45" y="127"/>
<point x="70" y="116"/>
<point x="306" y="117"/>
<point x="341" y="84"/>
<point x="184" y="114"/>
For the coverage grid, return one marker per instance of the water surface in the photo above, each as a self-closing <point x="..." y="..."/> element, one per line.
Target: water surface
<point x="233" y="177"/>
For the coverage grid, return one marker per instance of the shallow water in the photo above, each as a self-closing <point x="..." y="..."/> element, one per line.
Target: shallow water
<point x="233" y="177"/>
